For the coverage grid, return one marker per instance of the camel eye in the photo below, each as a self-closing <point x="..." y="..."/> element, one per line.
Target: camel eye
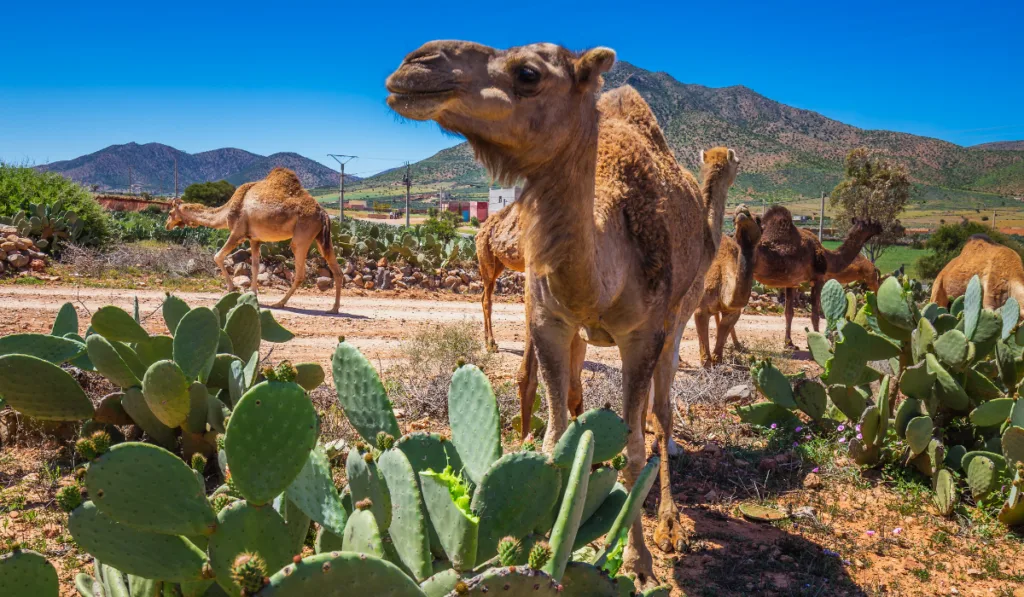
<point x="527" y="75"/>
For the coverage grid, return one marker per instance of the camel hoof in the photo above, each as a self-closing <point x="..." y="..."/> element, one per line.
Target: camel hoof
<point x="669" y="536"/>
<point x="492" y="346"/>
<point x="640" y="563"/>
<point x="674" y="450"/>
<point x="278" y="305"/>
<point x="333" y="311"/>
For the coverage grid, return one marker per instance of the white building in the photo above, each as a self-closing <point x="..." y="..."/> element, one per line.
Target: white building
<point x="497" y="199"/>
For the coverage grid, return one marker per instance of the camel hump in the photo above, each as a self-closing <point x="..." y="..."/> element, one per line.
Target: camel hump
<point x="285" y="181"/>
<point x="627" y="105"/>
<point x="240" y="192"/>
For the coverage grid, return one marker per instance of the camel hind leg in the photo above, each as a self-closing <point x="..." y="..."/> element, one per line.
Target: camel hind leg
<point x="254" y="274"/>
<point x="300" y="248"/>
<point x="490" y="269"/>
<point x="725" y="327"/>
<point x="332" y="264"/>
<point x="701" y="320"/>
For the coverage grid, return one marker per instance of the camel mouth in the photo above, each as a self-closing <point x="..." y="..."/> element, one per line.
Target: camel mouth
<point x="418" y="104"/>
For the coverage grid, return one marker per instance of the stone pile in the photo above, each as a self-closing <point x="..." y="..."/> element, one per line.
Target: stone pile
<point x="18" y="254"/>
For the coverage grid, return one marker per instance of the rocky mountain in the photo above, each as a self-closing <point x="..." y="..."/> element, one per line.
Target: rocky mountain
<point x="785" y="151"/>
<point x="152" y="166"/>
<point x="1001" y="146"/>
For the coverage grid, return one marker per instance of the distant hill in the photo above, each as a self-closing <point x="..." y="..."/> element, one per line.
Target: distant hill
<point x="785" y="152"/>
<point x="1001" y="146"/>
<point x="152" y="166"/>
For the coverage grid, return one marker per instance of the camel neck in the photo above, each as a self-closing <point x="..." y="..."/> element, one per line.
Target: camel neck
<point x="745" y="268"/>
<point x="843" y="256"/>
<point x="558" y="224"/>
<point x="714" y="191"/>
<point x="210" y="217"/>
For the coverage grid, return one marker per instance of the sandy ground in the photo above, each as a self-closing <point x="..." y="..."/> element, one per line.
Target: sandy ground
<point x="376" y="323"/>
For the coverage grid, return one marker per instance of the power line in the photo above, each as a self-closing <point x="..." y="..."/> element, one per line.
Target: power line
<point x="342" y="160"/>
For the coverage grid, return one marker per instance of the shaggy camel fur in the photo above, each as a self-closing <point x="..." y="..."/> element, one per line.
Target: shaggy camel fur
<point x="998" y="267"/>
<point x="861" y="270"/>
<point x="624" y="258"/>
<point x="274" y="209"/>
<point x="788" y="256"/>
<point x="727" y="287"/>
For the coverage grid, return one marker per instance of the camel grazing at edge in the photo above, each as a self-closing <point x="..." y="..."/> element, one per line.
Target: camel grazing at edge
<point x="624" y="260"/>
<point x="727" y="287"/>
<point x="274" y="209"/>
<point x="999" y="268"/>
<point x="497" y="249"/>
<point x="788" y="256"/>
<point x="861" y="270"/>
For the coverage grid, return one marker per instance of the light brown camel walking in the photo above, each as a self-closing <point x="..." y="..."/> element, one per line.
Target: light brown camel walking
<point x="497" y="249"/>
<point x="624" y="259"/>
<point x="727" y="287"/>
<point x="999" y="268"/>
<point x="861" y="270"/>
<point x="274" y="209"/>
<point x="788" y="256"/>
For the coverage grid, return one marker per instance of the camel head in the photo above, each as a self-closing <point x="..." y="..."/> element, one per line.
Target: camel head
<point x="748" y="227"/>
<point x="518" y="108"/>
<point x="176" y="216"/>
<point x="720" y="164"/>
<point x="863" y="229"/>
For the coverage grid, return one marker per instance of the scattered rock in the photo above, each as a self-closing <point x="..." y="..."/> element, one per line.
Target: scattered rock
<point x="368" y="285"/>
<point x="812" y="481"/>
<point x="17" y="260"/>
<point x="450" y="281"/>
<point x="323" y="283"/>
<point x="242" y="281"/>
<point x="37" y="265"/>
<point x="738" y="393"/>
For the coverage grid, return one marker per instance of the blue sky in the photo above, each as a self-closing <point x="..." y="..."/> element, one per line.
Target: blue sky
<point x="308" y="77"/>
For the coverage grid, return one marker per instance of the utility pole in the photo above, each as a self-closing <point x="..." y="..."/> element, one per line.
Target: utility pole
<point x="175" y="177"/>
<point x="407" y="181"/>
<point x="129" y="180"/>
<point x="342" y="160"/>
<point x="821" y="216"/>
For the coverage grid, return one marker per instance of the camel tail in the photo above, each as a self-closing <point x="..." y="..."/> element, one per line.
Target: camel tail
<point x="324" y="237"/>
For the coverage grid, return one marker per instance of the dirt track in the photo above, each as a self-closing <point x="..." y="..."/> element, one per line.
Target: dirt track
<point x="376" y="323"/>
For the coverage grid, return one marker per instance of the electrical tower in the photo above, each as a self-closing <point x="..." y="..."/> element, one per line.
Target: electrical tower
<point x="407" y="181"/>
<point x="342" y="160"/>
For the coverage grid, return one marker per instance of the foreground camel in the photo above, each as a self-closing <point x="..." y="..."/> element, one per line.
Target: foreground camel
<point x="998" y="267"/>
<point x="274" y="209"/>
<point x="624" y="259"/>
<point x="788" y="256"/>
<point x="861" y="270"/>
<point x="727" y="287"/>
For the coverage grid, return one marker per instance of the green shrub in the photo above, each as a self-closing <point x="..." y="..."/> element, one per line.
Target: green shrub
<point x="208" y="193"/>
<point x="21" y="186"/>
<point x="949" y="239"/>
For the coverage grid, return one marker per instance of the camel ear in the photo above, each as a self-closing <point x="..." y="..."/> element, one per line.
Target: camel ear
<point x="591" y="65"/>
<point x="732" y="156"/>
<point x="702" y="156"/>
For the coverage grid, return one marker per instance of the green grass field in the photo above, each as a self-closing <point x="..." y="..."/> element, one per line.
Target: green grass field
<point x="892" y="258"/>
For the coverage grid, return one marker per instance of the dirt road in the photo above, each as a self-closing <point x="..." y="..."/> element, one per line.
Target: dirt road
<point x="375" y="323"/>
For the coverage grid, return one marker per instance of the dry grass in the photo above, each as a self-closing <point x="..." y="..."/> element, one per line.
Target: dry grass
<point x="187" y="260"/>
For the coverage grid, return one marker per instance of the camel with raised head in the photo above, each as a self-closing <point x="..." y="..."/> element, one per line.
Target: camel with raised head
<point x="861" y="270"/>
<point x="998" y="267"/>
<point x="788" y="256"/>
<point x="274" y="209"/>
<point x="616" y="235"/>
<point x="727" y="287"/>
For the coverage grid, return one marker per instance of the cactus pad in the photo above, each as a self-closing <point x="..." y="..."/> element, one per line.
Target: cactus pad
<point x="584" y="579"/>
<point x="150" y="489"/>
<point x="195" y="343"/>
<point x="765" y="413"/>
<point x="173" y="310"/>
<point x="869" y="424"/>
<point x="166" y="390"/>
<point x="474" y="421"/>
<point x="115" y="324"/>
<point x="919" y="434"/>
<point x="225" y="305"/>
<point x="271" y="330"/>
<point x="408" y="529"/>
<point x="134" y="404"/>
<point x="850" y="400"/>
<point x="52" y="349"/>
<point x="1013" y="445"/>
<point x="894" y="305"/>
<point x="979" y="387"/>
<point x="602" y="481"/>
<point x="833" y="301"/>
<point x="159" y="348"/>
<point x="951" y="348"/>
<point x="946" y="388"/>
<point x="773" y="384"/>
<point x="923" y="338"/>
<point x="511" y="582"/>
<point x="610" y="435"/>
<point x="109" y="363"/>
<point x="945" y="497"/>
<point x="601" y="521"/>
<point x="457" y="529"/>
<point x="313" y="492"/>
<point x="42" y="390"/>
<point x="150" y="555"/>
<point x="243" y="327"/>
<point x="339" y="574"/>
<point x="25" y="573"/>
<point x="361" y="394"/>
<point x="972" y="306"/>
<point x="993" y="412"/>
<point x="309" y="375"/>
<point x="243" y="528"/>
<point x="850" y="356"/>
<point x="810" y="398"/>
<point x="982" y="476"/>
<point x="498" y="500"/>
<point x="366" y="482"/>
<point x="563" y="534"/>
<point x="271" y="431"/>
<point x="760" y="513"/>
<point x="362" y="535"/>
<point x="66" y="321"/>
<point x="820" y="348"/>
<point x="428" y="451"/>
<point x="630" y="509"/>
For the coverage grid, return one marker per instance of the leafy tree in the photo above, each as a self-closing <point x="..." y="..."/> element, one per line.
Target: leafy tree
<point x="442" y="226"/>
<point x="209" y="193"/>
<point x="948" y="240"/>
<point x="21" y="186"/>
<point x="873" y="188"/>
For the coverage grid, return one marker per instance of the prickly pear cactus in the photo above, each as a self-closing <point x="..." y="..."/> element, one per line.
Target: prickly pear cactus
<point x="945" y="492"/>
<point x="195" y="343"/>
<point x="263" y="465"/>
<point x="340" y="574"/>
<point x="474" y="420"/>
<point x="115" y="324"/>
<point x="609" y="430"/>
<point x="833" y="302"/>
<point x="42" y="390"/>
<point x="165" y="388"/>
<point x="25" y="573"/>
<point x="456" y="526"/>
<point x="563" y="535"/>
<point x="314" y="493"/>
<point x="366" y="483"/>
<point x="409" y="525"/>
<point x="52" y="349"/>
<point x="361" y="394"/>
<point x="773" y="384"/>
<point x="513" y="582"/>
<point x="173" y="310"/>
